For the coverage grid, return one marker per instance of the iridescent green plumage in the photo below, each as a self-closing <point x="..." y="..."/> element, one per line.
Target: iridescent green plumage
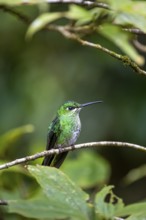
<point x="64" y="131"/>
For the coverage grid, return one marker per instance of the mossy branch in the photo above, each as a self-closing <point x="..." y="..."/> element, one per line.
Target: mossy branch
<point x="65" y="31"/>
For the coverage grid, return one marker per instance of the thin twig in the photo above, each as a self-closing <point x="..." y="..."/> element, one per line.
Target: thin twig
<point x="70" y="148"/>
<point x="82" y="2"/>
<point x="27" y="20"/>
<point x="125" y="59"/>
<point x="64" y="30"/>
<point x="134" y="31"/>
<point x="14" y="12"/>
<point x="78" y="2"/>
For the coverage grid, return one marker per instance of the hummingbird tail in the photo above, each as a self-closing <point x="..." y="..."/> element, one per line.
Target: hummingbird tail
<point x="54" y="160"/>
<point x="47" y="160"/>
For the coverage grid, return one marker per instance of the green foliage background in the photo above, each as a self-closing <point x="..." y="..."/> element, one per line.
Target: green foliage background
<point x="37" y="76"/>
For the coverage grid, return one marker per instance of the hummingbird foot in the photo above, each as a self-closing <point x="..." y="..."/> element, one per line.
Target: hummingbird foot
<point x="60" y="150"/>
<point x="72" y="147"/>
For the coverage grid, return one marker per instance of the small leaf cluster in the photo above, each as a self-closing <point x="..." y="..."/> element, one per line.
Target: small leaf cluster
<point x="119" y="22"/>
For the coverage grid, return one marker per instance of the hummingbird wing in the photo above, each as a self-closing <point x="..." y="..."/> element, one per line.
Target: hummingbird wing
<point x="54" y="132"/>
<point x="51" y="140"/>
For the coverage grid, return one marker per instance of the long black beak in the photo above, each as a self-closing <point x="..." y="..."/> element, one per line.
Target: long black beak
<point x="89" y="103"/>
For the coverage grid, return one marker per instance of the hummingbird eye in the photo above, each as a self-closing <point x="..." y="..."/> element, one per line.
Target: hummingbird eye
<point x="70" y="108"/>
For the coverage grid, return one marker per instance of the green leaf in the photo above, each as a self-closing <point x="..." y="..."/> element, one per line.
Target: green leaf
<point x="94" y="169"/>
<point x="135" y="174"/>
<point x="12" y="136"/>
<point x="62" y="197"/>
<point x="10" y="2"/>
<point x="129" y="12"/>
<point x="135" y="20"/>
<point x="41" y="22"/>
<point x="136" y="211"/>
<point x="21" y="2"/>
<point x="122" y="40"/>
<point x="116" y="5"/>
<point x="80" y="14"/>
<point x="37" y="207"/>
<point x="77" y="12"/>
<point x="107" y="209"/>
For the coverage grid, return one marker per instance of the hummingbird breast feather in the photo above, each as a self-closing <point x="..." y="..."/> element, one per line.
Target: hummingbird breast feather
<point x="70" y="130"/>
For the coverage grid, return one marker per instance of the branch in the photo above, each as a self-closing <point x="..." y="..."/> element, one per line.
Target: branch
<point x="77" y="2"/>
<point x="134" y="31"/>
<point x="82" y="2"/>
<point x="68" y="33"/>
<point x="64" y="30"/>
<point x="14" y="12"/>
<point x="3" y="202"/>
<point x="27" y="20"/>
<point x="71" y="148"/>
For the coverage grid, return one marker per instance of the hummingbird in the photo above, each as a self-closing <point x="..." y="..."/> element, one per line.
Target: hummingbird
<point x="64" y="131"/>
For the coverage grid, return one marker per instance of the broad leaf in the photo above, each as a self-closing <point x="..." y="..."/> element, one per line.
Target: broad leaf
<point x="62" y="197"/>
<point x="37" y="208"/>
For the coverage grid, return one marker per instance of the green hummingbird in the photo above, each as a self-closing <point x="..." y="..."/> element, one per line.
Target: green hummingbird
<point x="64" y="131"/>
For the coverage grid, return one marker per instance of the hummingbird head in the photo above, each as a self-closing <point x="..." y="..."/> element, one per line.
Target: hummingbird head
<point x="71" y="108"/>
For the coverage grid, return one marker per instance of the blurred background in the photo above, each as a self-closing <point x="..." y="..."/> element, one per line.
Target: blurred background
<point x="37" y="76"/>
